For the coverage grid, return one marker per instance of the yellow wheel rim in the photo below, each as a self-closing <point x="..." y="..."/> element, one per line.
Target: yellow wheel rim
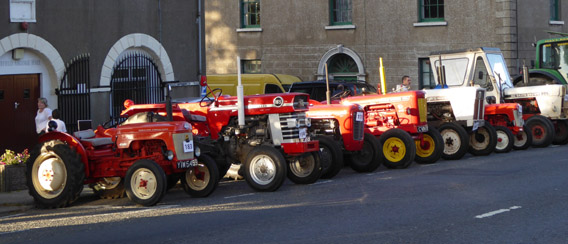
<point x="428" y="149"/>
<point x="394" y="149"/>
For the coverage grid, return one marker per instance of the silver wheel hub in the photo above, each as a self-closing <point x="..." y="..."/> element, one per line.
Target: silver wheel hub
<point x="262" y="169"/>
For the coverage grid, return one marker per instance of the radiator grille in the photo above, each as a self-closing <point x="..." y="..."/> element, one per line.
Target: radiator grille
<point x="291" y="124"/>
<point x="478" y="108"/>
<point x="358" y="127"/>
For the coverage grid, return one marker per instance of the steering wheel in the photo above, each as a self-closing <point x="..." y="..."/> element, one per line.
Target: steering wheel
<point x="206" y="101"/>
<point x="341" y="94"/>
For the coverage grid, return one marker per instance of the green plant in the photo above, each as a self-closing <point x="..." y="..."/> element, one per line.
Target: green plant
<point x="11" y="158"/>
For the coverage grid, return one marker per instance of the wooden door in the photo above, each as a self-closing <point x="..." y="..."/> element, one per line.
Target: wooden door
<point x="18" y="103"/>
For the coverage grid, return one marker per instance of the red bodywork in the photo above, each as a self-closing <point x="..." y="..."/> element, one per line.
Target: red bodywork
<point x="404" y="110"/>
<point x="345" y="115"/>
<point x="504" y="115"/>
<point x="209" y="121"/>
<point x="129" y="143"/>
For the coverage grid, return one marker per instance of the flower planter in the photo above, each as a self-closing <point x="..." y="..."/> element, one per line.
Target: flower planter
<point x="12" y="177"/>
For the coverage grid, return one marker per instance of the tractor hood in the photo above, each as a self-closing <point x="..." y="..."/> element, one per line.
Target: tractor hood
<point x="466" y="101"/>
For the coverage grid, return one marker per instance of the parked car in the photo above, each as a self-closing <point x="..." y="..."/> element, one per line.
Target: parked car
<point x="317" y="89"/>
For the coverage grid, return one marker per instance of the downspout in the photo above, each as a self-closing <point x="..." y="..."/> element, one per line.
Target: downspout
<point x="199" y="35"/>
<point x="160" y="20"/>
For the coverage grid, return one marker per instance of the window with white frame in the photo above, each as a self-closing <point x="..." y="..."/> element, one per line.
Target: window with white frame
<point x="22" y="11"/>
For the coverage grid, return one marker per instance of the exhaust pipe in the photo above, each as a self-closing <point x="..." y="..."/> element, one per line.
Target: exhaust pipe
<point x="240" y="96"/>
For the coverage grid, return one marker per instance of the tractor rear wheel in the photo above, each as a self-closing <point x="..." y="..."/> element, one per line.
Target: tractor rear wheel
<point x="369" y="158"/>
<point x="305" y="169"/>
<point x="455" y="140"/>
<point x="505" y="139"/>
<point x="265" y="168"/>
<point x="146" y="182"/>
<point x="482" y="142"/>
<point x="398" y="148"/>
<point x="331" y="157"/>
<point x="55" y="174"/>
<point x="109" y="188"/>
<point x="201" y="180"/>
<point x="541" y="129"/>
<point x="523" y="139"/>
<point x="560" y="132"/>
<point x="432" y="147"/>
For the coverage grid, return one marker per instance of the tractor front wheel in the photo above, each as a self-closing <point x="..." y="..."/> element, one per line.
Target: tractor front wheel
<point x="109" y="188"/>
<point x="265" y="168"/>
<point x="541" y="129"/>
<point x="55" y="174"/>
<point x="505" y="139"/>
<point x="560" y="132"/>
<point x="146" y="182"/>
<point x="482" y="142"/>
<point x="398" y="148"/>
<point x="331" y="157"/>
<point x="201" y="180"/>
<point x="305" y="169"/>
<point x="430" y="149"/>
<point x="369" y="158"/>
<point x="455" y="140"/>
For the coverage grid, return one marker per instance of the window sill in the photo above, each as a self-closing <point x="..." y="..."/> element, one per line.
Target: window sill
<point x="22" y="20"/>
<point x="437" y="23"/>
<point x="340" y="27"/>
<point x="249" y="30"/>
<point x="556" y="22"/>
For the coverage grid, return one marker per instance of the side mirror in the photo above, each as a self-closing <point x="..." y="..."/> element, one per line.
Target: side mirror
<point x="491" y="99"/>
<point x="480" y="75"/>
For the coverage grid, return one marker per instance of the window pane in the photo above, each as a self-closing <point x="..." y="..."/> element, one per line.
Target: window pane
<point x="250" y="13"/>
<point x="341" y="12"/>
<point x="432" y="10"/>
<point x="251" y="66"/>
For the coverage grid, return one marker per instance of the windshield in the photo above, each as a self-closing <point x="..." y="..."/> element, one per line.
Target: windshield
<point x="499" y="69"/>
<point x="455" y="70"/>
<point x="555" y="56"/>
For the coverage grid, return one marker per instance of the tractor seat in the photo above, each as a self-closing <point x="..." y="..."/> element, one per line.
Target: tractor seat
<point x="192" y="117"/>
<point x="87" y="138"/>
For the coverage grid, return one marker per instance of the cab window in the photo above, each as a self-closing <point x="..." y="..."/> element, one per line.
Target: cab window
<point x="480" y="75"/>
<point x="271" y="88"/>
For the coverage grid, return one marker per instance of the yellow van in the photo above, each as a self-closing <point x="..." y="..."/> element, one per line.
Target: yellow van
<point x="252" y="83"/>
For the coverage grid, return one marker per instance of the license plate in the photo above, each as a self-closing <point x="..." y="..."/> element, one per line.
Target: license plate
<point x="475" y="125"/>
<point x="359" y="116"/>
<point x="187" y="164"/>
<point x="187" y="146"/>
<point x="303" y="133"/>
<point x="422" y="129"/>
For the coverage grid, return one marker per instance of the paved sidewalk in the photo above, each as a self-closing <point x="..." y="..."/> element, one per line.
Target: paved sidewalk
<point x="15" y="201"/>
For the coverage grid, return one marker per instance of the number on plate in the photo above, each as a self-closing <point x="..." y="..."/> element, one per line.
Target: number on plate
<point x="187" y="146"/>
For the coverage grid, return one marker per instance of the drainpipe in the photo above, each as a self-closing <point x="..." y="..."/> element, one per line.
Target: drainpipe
<point x="199" y="35"/>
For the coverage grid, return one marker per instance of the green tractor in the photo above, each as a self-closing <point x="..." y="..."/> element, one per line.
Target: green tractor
<point x="551" y="66"/>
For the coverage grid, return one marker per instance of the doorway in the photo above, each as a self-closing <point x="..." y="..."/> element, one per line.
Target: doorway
<point x="18" y="102"/>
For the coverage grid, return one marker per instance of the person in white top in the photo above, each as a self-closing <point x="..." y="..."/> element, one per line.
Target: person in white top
<point x="43" y="115"/>
<point x="405" y="86"/>
<point x="60" y="124"/>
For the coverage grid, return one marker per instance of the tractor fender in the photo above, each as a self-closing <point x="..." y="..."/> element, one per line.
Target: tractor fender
<point x="72" y="142"/>
<point x="552" y="74"/>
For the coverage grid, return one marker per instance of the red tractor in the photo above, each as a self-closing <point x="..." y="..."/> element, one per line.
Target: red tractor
<point x="340" y="130"/>
<point x="266" y="134"/>
<point x="140" y="156"/>
<point x="507" y="118"/>
<point x="399" y="121"/>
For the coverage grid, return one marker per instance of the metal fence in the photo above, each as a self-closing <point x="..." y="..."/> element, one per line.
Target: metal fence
<point x="135" y="77"/>
<point x="73" y="95"/>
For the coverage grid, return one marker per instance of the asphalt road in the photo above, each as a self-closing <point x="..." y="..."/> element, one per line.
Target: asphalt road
<point x="519" y="197"/>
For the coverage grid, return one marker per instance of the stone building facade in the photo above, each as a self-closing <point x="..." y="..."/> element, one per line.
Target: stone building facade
<point x="299" y="37"/>
<point x="41" y="41"/>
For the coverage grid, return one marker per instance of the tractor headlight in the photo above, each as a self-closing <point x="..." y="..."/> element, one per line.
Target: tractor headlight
<point x="197" y="151"/>
<point x="186" y="126"/>
<point x="169" y="155"/>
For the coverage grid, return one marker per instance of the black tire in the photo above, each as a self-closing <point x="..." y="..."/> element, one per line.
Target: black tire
<point x="432" y="149"/>
<point x="398" y="149"/>
<point x="146" y="182"/>
<point x="331" y="157"/>
<point x="305" y="169"/>
<point x="369" y="158"/>
<point x="202" y="180"/>
<point x="523" y="139"/>
<point x="49" y="160"/>
<point x="560" y="132"/>
<point x="541" y="129"/>
<point x="109" y="188"/>
<point x="482" y="142"/>
<point x="456" y="141"/>
<point x="265" y="168"/>
<point x="505" y="139"/>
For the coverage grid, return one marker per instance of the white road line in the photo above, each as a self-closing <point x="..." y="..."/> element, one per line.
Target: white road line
<point x="11" y="216"/>
<point x="485" y="215"/>
<point x="242" y="195"/>
<point x="323" y="182"/>
<point x="376" y="173"/>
